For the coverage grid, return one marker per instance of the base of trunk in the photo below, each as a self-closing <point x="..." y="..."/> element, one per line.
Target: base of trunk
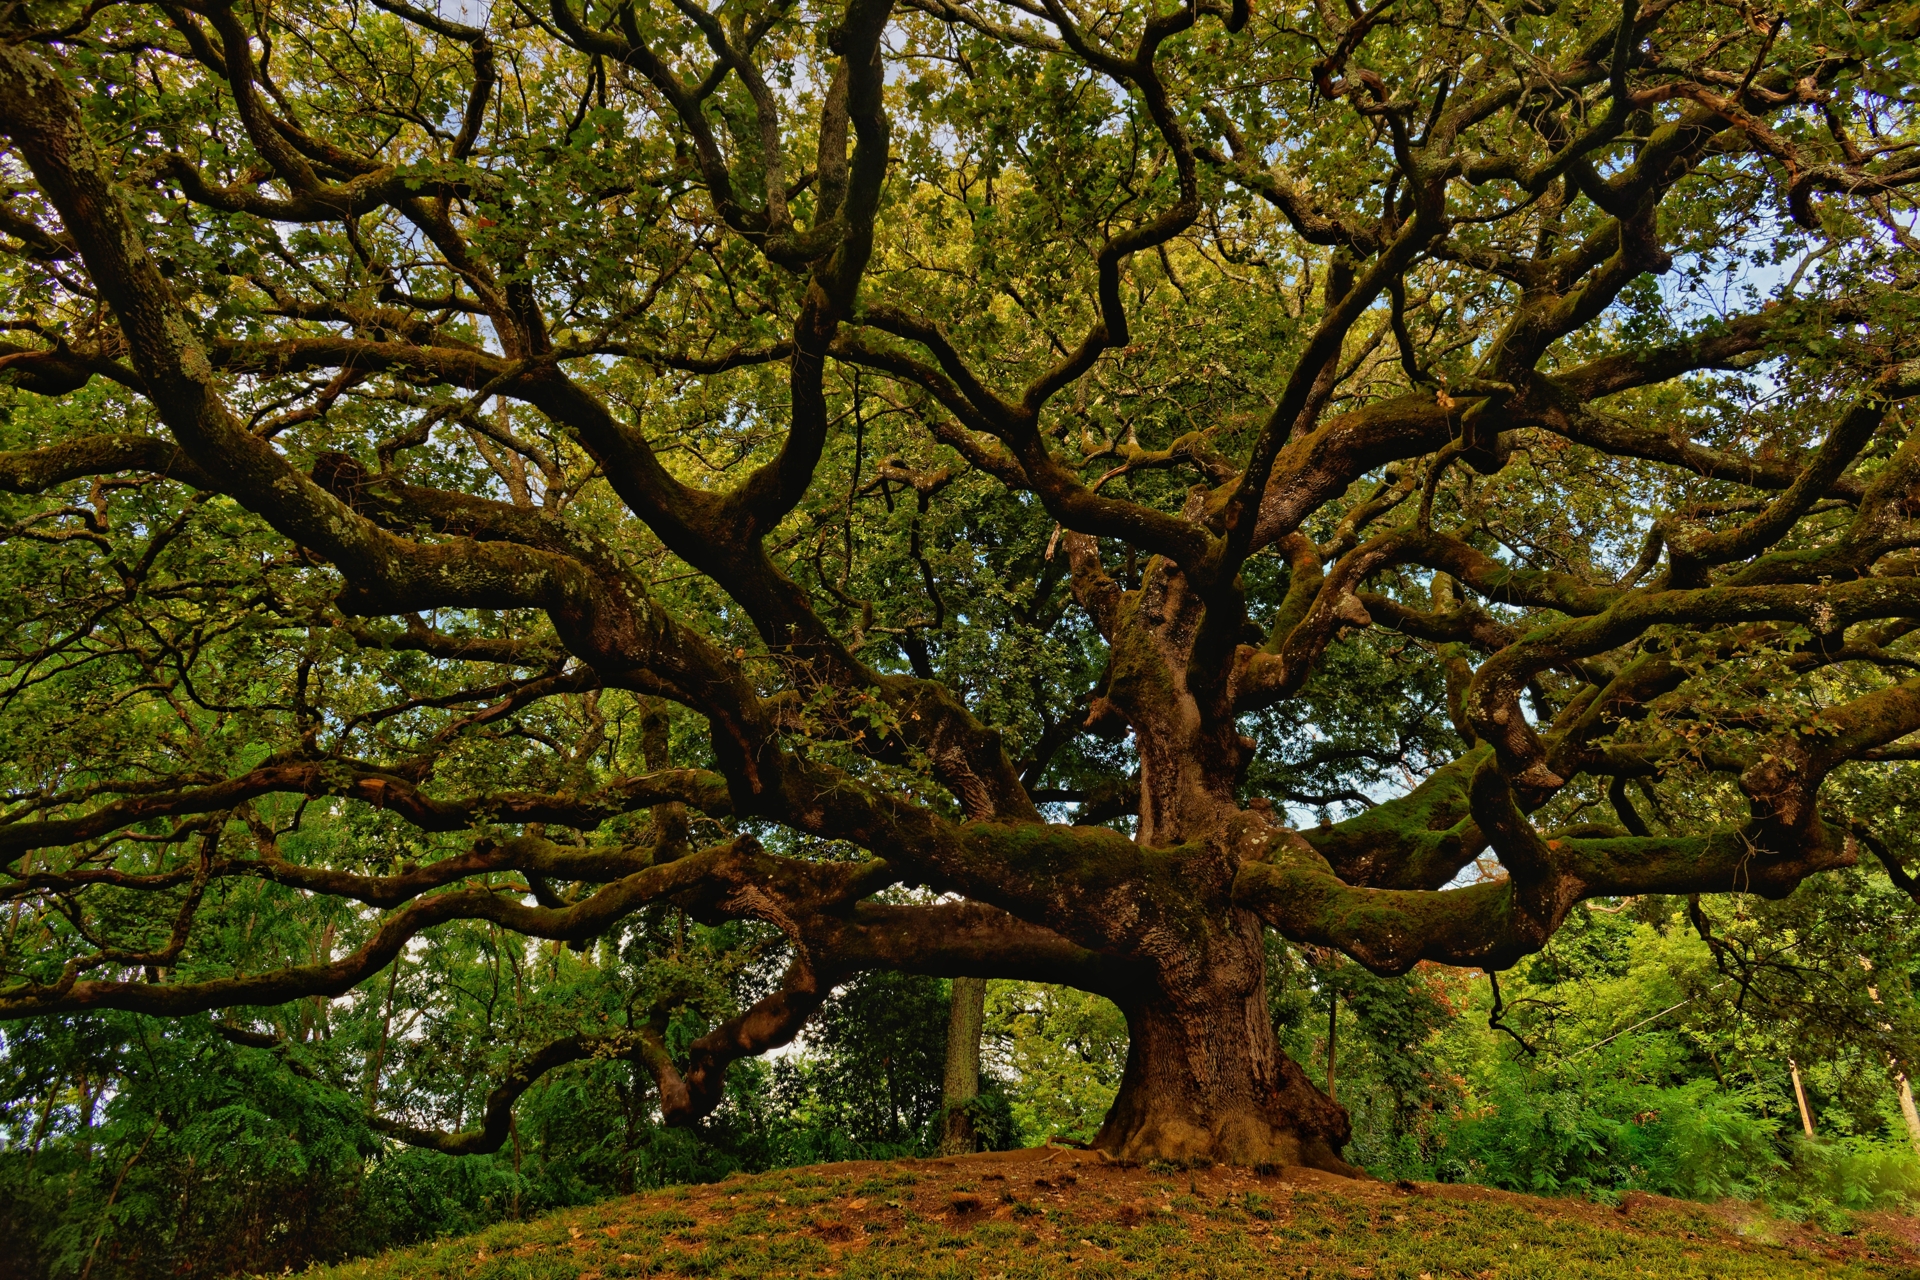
<point x="1297" y="1125"/>
<point x="1205" y="1080"/>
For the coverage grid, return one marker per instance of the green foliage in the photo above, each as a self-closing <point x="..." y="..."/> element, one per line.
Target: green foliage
<point x="178" y="1153"/>
<point x="1059" y="1054"/>
<point x="1824" y="1178"/>
<point x="1373" y="704"/>
<point x="1605" y="1130"/>
<point x="185" y="1155"/>
<point x="1616" y="1089"/>
<point x="228" y="1159"/>
<point x="868" y="1085"/>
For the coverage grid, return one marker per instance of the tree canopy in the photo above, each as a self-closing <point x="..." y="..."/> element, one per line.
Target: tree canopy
<point x="1021" y="490"/>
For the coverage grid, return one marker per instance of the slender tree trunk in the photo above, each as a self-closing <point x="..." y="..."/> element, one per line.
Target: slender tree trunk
<point x="380" y="1046"/>
<point x="1333" y="1029"/>
<point x="106" y="1215"/>
<point x="1907" y="1110"/>
<point x="1800" y="1096"/>
<point x="19" y="910"/>
<point x="964" y="1025"/>
<point x="316" y="1023"/>
<point x="40" y="1125"/>
<point x="88" y="1096"/>
<point x="513" y="1131"/>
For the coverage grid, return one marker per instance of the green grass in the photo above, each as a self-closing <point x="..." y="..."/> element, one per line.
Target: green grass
<point x="1045" y="1216"/>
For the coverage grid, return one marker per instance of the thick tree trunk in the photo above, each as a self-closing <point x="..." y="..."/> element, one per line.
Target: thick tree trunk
<point x="965" y="1021"/>
<point x="1205" y="1078"/>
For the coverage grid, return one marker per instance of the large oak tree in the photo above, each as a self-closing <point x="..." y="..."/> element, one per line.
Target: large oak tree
<point x="952" y="483"/>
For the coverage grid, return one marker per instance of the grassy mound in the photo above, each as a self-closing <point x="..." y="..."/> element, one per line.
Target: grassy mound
<point x="1050" y="1213"/>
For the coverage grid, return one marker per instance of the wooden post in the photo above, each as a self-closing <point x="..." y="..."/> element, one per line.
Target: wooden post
<point x="962" y="1085"/>
<point x="1800" y="1094"/>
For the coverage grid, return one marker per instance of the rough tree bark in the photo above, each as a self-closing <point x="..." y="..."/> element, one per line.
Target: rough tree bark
<point x="1204" y="1077"/>
<point x="961" y="1082"/>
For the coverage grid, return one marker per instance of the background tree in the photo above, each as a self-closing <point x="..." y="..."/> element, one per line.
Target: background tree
<point x="920" y="485"/>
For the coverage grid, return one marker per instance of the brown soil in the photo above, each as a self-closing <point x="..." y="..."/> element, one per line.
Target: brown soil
<point x="968" y="1190"/>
